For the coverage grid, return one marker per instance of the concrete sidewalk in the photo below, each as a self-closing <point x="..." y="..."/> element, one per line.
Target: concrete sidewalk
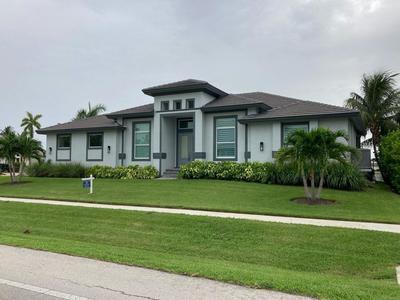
<point x="32" y="274"/>
<point x="394" y="228"/>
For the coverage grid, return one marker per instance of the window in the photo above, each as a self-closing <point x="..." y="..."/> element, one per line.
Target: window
<point x="189" y="103"/>
<point x="185" y="124"/>
<point x="95" y="140"/>
<point x="225" y="138"/>
<point x="64" y="141"/>
<point x="164" y="105"/>
<point x="177" y="104"/>
<point x="141" y="141"/>
<point x="291" y="127"/>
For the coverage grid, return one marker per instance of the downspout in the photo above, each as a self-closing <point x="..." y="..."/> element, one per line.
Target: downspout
<point x="246" y="143"/>
<point x="123" y="142"/>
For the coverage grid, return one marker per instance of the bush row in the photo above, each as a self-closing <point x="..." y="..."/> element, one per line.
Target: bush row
<point x="130" y="172"/>
<point x="339" y="176"/>
<point x="74" y="170"/>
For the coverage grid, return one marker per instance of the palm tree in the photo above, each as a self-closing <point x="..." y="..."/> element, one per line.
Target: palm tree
<point x="28" y="148"/>
<point x="311" y="152"/>
<point x="30" y="123"/>
<point x="379" y="105"/>
<point x="90" y="112"/>
<point x="9" y="148"/>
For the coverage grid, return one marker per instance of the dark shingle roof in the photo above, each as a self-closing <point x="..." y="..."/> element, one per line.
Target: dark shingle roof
<point x="146" y="110"/>
<point x="184" y="86"/>
<point x="98" y="122"/>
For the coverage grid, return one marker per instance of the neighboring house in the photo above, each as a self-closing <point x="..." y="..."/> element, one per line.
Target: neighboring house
<point x="192" y="119"/>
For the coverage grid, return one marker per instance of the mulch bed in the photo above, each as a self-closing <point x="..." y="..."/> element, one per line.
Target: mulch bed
<point x="315" y="202"/>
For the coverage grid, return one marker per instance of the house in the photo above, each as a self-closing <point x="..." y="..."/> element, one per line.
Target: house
<point x="192" y="119"/>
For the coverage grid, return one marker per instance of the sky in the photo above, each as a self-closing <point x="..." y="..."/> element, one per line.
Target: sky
<point x="57" y="55"/>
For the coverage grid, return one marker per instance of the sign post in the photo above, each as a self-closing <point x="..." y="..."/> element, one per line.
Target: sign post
<point x="88" y="183"/>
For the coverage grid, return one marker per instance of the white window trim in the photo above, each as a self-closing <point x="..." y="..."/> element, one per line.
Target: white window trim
<point x="220" y="143"/>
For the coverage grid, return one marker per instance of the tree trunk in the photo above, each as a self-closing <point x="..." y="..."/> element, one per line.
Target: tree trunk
<point x="375" y="144"/>
<point x="11" y="170"/>
<point x="321" y="183"/>
<point x="305" y="184"/>
<point x="312" y="186"/>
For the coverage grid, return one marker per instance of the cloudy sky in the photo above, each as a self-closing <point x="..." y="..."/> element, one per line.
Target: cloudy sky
<point x="56" y="55"/>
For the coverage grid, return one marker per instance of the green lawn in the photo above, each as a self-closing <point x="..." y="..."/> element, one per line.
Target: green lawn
<point x="327" y="263"/>
<point x="376" y="204"/>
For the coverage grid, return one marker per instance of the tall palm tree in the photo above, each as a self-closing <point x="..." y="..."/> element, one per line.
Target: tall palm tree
<point x="28" y="148"/>
<point x="30" y="123"/>
<point x="9" y="148"/>
<point x="379" y="105"/>
<point x="90" y="112"/>
<point x="311" y="152"/>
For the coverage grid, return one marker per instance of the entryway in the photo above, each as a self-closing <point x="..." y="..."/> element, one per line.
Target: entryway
<point x="185" y="142"/>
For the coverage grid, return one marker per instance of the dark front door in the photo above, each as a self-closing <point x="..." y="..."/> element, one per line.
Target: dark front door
<point x="185" y="143"/>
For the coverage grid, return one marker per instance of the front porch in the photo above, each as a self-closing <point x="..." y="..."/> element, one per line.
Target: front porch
<point x="180" y="140"/>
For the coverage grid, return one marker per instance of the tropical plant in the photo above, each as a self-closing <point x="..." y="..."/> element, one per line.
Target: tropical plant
<point x="338" y="176"/>
<point x="28" y="148"/>
<point x="92" y="111"/>
<point x="30" y="123"/>
<point x="379" y="105"/>
<point x="311" y="152"/>
<point x="9" y="146"/>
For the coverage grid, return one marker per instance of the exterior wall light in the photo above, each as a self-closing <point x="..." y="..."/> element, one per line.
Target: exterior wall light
<point x="50" y="150"/>
<point x="261" y="146"/>
<point x="108" y="149"/>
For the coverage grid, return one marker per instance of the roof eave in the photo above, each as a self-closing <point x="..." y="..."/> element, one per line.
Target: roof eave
<point x="209" y="109"/>
<point x="204" y="87"/>
<point x="131" y="115"/>
<point x="353" y="115"/>
<point x="46" y="131"/>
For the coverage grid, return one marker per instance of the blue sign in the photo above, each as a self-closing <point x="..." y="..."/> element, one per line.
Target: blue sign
<point x="86" y="184"/>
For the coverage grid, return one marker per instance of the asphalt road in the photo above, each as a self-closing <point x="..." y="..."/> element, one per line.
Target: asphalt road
<point x="31" y="274"/>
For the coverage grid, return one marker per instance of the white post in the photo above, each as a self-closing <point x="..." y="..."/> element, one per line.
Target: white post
<point x="91" y="183"/>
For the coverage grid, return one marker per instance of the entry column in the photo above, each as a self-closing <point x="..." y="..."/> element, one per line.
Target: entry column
<point x="198" y="135"/>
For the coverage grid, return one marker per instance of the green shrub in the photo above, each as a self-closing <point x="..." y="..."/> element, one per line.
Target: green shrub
<point x="47" y="169"/>
<point x="73" y="170"/>
<point x="389" y="154"/>
<point x="339" y="176"/>
<point x="129" y="172"/>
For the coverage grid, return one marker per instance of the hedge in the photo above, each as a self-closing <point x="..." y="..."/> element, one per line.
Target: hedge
<point x="130" y="172"/>
<point x="339" y="176"/>
<point x="389" y="154"/>
<point x="74" y="170"/>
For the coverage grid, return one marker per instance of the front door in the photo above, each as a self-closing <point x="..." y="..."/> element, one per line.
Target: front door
<point x="185" y="141"/>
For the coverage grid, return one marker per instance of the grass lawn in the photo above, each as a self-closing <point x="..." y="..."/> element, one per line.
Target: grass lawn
<point x="376" y="204"/>
<point x="327" y="263"/>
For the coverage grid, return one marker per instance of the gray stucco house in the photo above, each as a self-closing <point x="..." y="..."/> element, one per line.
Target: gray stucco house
<point x="192" y="119"/>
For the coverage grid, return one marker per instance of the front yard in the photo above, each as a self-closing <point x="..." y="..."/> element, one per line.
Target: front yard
<point x="327" y="263"/>
<point x="376" y="204"/>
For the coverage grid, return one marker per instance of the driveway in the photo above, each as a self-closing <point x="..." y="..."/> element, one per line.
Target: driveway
<point x="32" y="274"/>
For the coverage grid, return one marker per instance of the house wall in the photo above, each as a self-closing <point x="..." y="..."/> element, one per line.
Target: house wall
<point x="268" y="132"/>
<point x="201" y="99"/>
<point x="79" y="152"/>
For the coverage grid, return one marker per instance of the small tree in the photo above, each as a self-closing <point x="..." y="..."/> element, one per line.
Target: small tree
<point x="311" y="152"/>
<point x="9" y="148"/>
<point x="92" y="111"/>
<point x="28" y="148"/>
<point x="30" y="123"/>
